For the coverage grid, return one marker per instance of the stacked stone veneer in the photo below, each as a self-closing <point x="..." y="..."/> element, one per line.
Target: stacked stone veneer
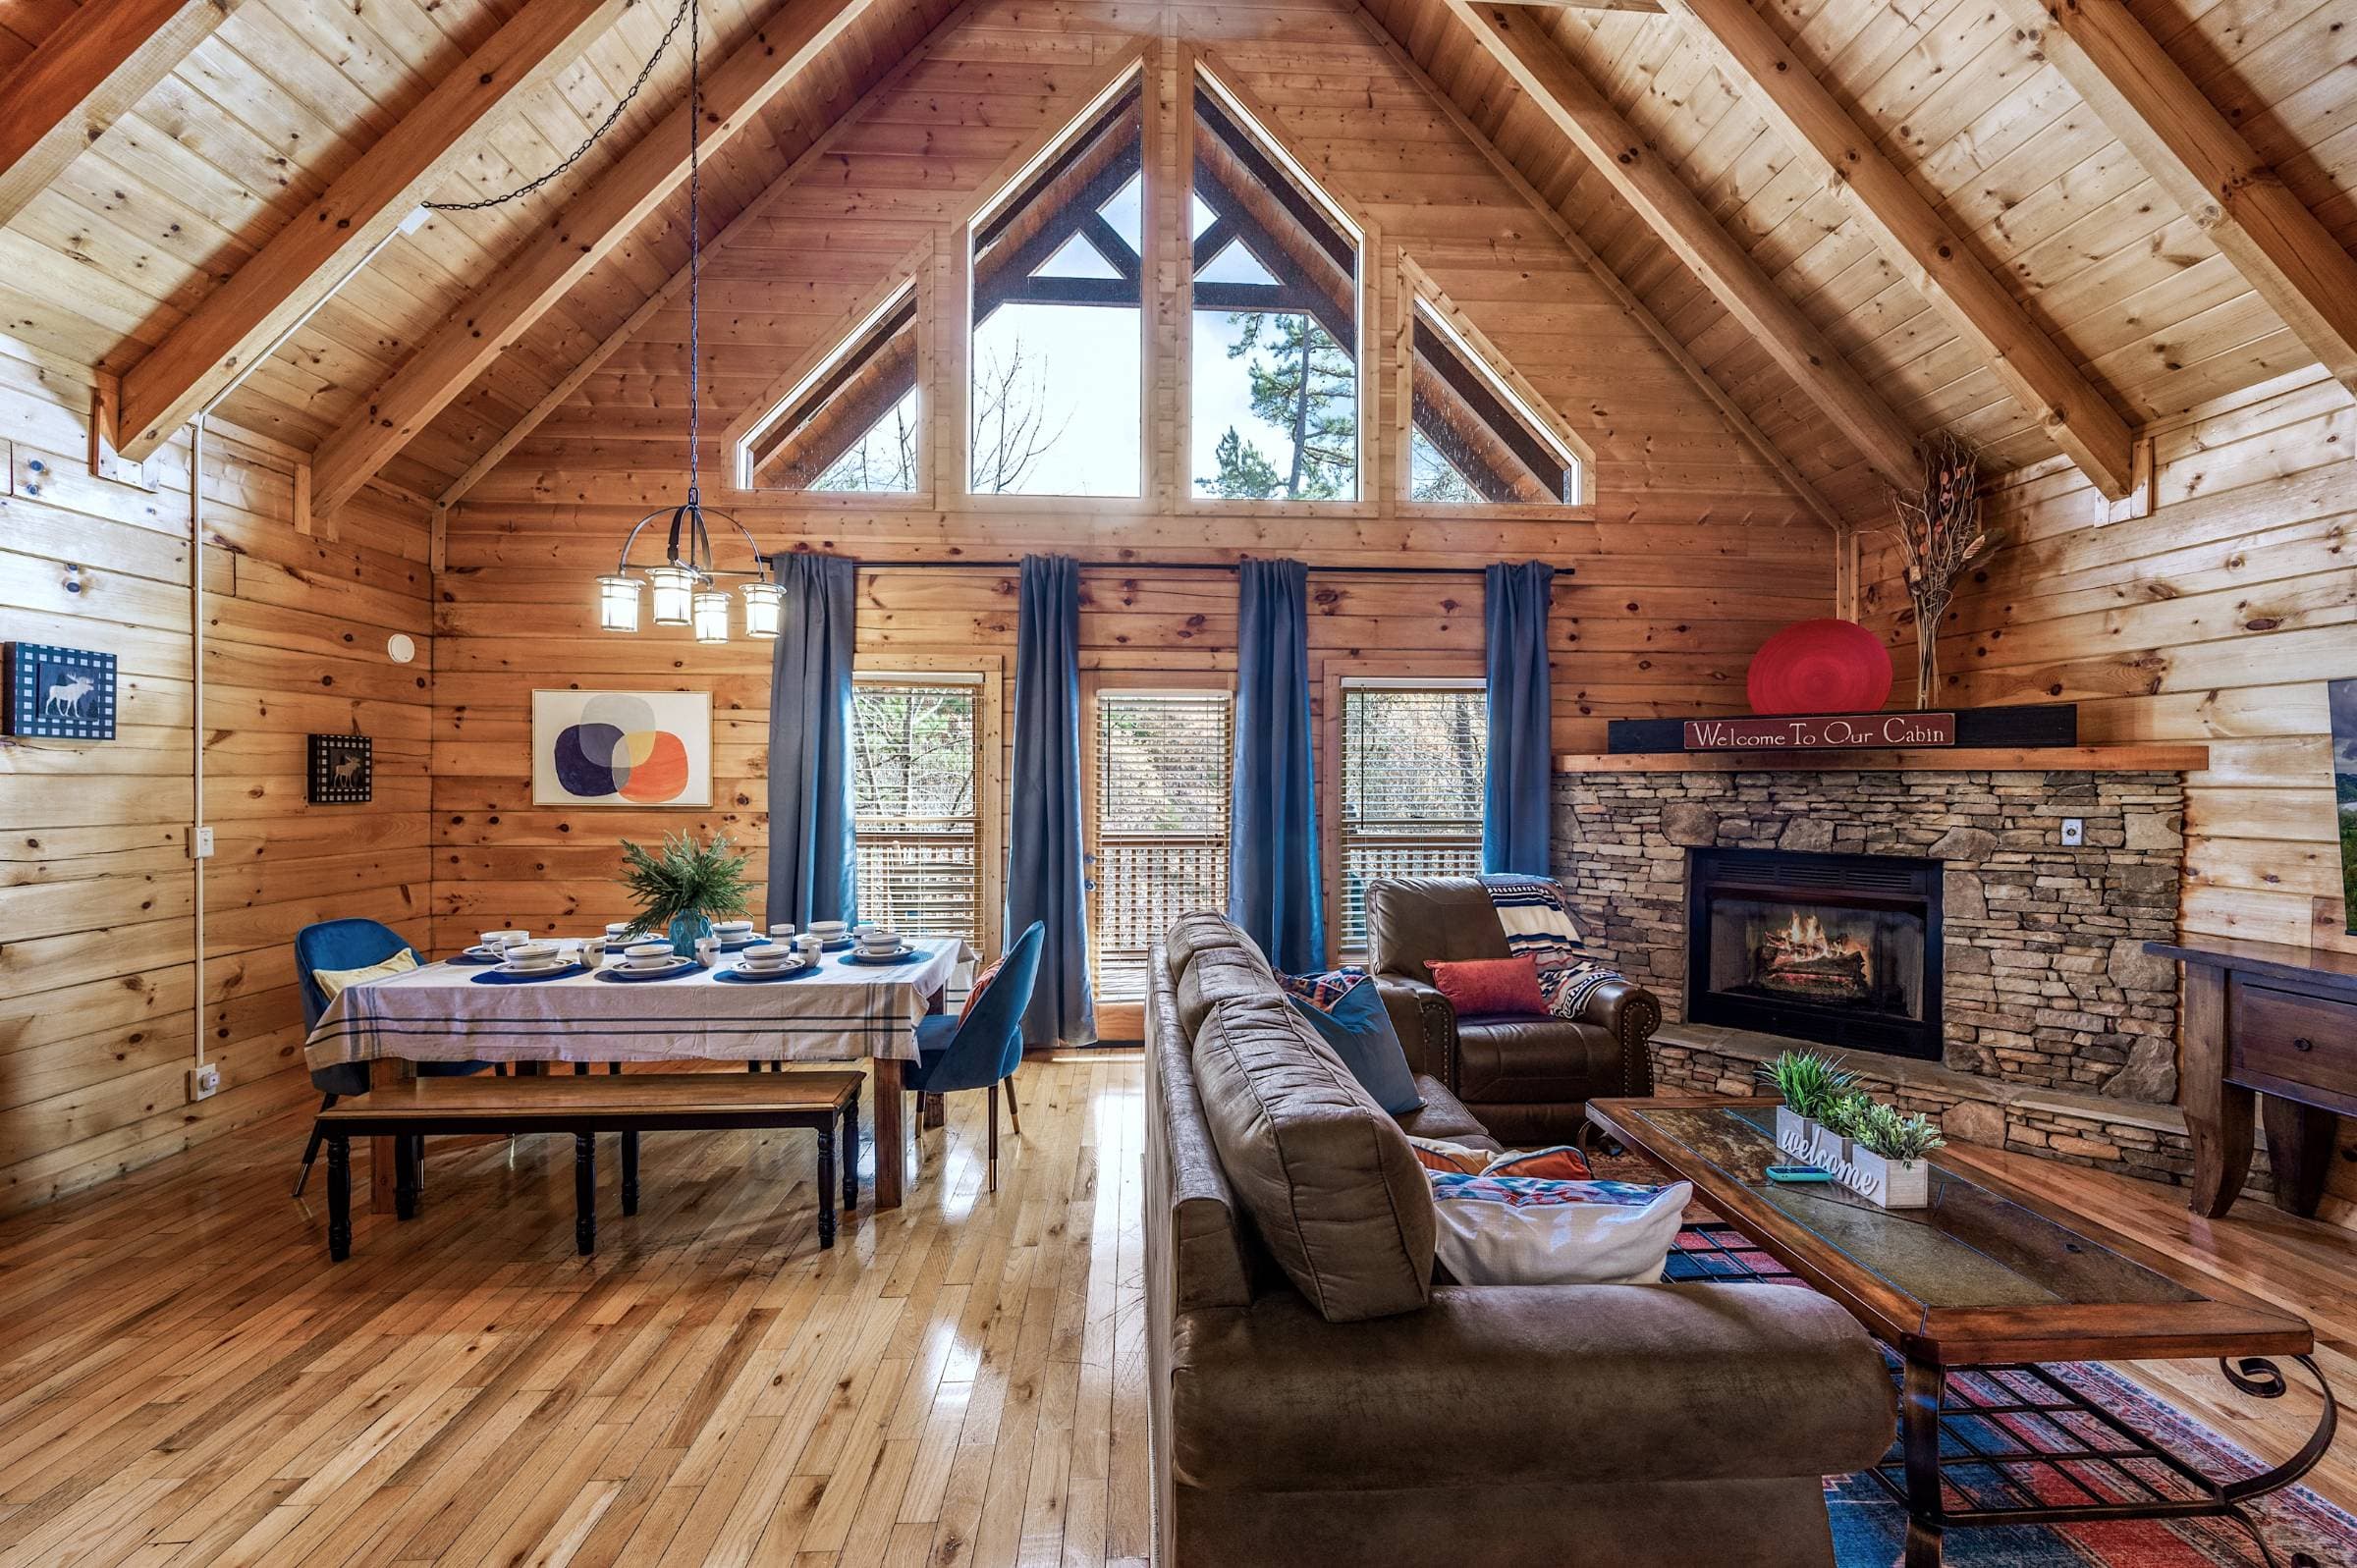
<point x="2047" y="984"/>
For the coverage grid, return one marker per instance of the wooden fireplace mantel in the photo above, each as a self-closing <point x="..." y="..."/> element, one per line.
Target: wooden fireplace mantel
<point x="2151" y="757"/>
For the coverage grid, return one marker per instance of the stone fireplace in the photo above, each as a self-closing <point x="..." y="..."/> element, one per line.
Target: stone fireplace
<point x="2040" y="1022"/>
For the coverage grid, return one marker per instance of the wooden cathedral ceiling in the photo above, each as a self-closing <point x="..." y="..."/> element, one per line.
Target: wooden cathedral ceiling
<point x="1862" y="221"/>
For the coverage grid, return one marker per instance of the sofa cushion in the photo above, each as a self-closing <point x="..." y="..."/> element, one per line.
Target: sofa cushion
<point x="1498" y="1229"/>
<point x="1329" y="1179"/>
<point x="1444" y="1117"/>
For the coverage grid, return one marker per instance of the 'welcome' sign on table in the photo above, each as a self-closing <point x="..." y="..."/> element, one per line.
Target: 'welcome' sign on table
<point x="1821" y="731"/>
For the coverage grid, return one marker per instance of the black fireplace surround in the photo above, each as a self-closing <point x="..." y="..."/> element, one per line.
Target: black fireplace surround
<point x="1840" y="950"/>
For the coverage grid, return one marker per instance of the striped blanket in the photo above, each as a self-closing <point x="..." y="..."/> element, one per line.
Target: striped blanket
<point x="1537" y="924"/>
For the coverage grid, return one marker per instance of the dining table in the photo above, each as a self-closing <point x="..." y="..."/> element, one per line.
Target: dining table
<point x="842" y="1009"/>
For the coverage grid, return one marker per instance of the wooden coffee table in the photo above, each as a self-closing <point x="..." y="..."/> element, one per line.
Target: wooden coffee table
<point x="1990" y="1281"/>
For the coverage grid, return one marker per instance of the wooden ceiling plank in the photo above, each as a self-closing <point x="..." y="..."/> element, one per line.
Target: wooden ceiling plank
<point x="565" y="249"/>
<point x="744" y="223"/>
<point x="1937" y="260"/>
<point x="2209" y="168"/>
<point x="311" y="256"/>
<point x="83" y="77"/>
<point x="1636" y="309"/>
<point x="1555" y="88"/>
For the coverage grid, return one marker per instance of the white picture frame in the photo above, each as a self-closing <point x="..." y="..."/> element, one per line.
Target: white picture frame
<point x="650" y="749"/>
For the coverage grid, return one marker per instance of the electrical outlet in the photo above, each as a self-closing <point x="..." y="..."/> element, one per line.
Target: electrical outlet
<point x="200" y="843"/>
<point x="205" y="1082"/>
<point x="2075" y="830"/>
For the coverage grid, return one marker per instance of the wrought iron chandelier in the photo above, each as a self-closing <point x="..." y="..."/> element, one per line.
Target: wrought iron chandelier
<point x="687" y="589"/>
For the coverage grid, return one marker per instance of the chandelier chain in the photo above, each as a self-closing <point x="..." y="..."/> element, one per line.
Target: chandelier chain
<point x="696" y="247"/>
<point x="621" y="106"/>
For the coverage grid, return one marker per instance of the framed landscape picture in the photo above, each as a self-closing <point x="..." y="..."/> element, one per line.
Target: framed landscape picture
<point x="343" y="771"/>
<point x="622" y="748"/>
<point x="2344" y="695"/>
<point x="60" y="693"/>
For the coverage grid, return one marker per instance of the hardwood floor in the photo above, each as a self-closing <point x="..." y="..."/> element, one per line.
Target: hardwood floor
<point x="185" y="1380"/>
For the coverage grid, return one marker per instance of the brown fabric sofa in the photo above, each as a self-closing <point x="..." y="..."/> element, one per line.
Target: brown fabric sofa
<point x="1527" y="1079"/>
<point x="1453" y="1424"/>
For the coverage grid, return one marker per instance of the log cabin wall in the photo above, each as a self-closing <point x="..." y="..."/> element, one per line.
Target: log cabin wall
<point x="97" y="895"/>
<point x="1691" y="553"/>
<point x="2217" y="617"/>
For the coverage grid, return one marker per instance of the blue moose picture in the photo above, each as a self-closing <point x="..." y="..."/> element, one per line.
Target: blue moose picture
<point x="60" y="693"/>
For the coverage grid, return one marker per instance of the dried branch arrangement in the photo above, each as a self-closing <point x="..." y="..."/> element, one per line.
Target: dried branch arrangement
<point x="1940" y="535"/>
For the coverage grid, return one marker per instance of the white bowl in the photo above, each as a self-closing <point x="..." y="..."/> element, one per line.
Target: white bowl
<point x="829" y="929"/>
<point x="648" y="949"/>
<point x="880" y="941"/>
<point x="531" y="952"/>
<point x="732" y="928"/>
<point x="780" y="931"/>
<point x="765" y="953"/>
<point x="618" y="928"/>
<point x="504" y="938"/>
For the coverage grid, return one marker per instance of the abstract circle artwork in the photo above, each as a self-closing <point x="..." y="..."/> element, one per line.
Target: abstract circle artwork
<point x="622" y="748"/>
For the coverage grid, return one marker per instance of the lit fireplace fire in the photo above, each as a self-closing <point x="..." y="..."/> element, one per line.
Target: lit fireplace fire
<point x="1803" y="959"/>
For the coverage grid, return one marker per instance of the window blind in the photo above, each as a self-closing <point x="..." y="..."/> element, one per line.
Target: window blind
<point x="916" y="746"/>
<point x="1414" y="760"/>
<point x="1163" y="764"/>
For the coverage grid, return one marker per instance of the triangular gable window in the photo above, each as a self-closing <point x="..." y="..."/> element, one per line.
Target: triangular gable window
<point x="851" y="424"/>
<point x="1273" y="356"/>
<point x="1474" y="438"/>
<point x="1058" y="314"/>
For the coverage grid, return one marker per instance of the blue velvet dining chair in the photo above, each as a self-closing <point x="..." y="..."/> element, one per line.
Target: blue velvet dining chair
<point x="982" y="1050"/>
<point x="348" y="945"/>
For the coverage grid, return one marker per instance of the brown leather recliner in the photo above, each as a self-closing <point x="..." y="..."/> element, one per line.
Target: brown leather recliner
<point x="1527" y="1079"/>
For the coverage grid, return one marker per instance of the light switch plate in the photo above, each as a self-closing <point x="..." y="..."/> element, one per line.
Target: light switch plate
<point x="2075" y="830"/>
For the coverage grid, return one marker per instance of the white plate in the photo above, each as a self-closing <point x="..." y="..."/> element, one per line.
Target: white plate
<point x="879" y="955"/>
<point x="674" y="962"/>
<point x="532" y="968"/>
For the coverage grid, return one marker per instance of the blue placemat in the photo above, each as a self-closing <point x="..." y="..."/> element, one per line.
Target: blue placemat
<point x="492" y="977"/>
<point x="910" y="956"/>
<point x="625" y="978"/>
<point x="739" y="977"/>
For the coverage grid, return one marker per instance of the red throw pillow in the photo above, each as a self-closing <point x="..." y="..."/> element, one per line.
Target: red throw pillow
<point x="981" y="984"/>
<point x="1492" y="987"/>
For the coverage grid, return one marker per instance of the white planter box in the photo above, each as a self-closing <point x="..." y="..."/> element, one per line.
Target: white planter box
<point x="1892" y="1184"/>
<point x="1808" y="1141"/>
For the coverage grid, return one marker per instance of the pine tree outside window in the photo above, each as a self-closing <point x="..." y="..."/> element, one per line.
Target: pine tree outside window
<point x="1274" y="361"/>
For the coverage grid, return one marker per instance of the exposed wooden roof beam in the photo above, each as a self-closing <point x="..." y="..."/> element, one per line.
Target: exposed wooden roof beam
<point x="83" y="77"/>
<point x="1931" y="254"/>
<point x="1553" y="85"/>
<point x="591" y="225"/>
<point x="573" y="380"/>
<point x="312" y="257"/>
<point x="2207" y="167"/>
<point x="1610" y="281"/>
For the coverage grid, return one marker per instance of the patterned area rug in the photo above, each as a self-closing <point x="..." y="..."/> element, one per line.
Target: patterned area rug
<point x="2301" y="1529"/>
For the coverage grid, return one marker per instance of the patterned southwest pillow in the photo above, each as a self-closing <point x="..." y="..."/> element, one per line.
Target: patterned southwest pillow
<point x="1347" y="1010"/>
<point x="1492" y="988"/>
<point x="1514" y="1231"/>
<point x="1561" y="1163"/>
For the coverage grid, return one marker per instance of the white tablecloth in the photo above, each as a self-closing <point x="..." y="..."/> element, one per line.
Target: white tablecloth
<point x="439" y="1013"/>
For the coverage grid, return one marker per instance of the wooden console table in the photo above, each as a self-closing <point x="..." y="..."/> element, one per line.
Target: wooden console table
<point x="2264" y="1019"/>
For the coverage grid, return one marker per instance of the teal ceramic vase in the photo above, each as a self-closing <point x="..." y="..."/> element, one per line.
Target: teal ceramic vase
<point x="686" y="931"/>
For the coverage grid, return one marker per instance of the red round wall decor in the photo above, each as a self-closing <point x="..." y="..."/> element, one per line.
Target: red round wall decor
<point x="1824" y="665"/>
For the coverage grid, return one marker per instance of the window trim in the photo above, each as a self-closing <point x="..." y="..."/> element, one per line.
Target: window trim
<point x="910" y="278"/>
<point x="1417" y="288"/>
<point x="955" y="427"/>
<point x="987" y="671"/>
<point x="1462" y="672"/>
<point x="1205" y="68"/>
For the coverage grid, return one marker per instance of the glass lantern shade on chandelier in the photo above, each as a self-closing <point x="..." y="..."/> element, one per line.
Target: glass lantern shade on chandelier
<point x="686" y="591"/>
<point x="687" y="587"/>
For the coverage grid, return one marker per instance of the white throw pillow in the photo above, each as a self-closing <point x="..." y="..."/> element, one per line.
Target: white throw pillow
<point x="332" y="981"/>
<point x="1514" y="1231"/>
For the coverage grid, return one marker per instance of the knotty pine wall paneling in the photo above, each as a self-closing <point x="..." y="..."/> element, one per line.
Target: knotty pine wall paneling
<point x="97" y="985"/>
<point x="2219" y="617"/>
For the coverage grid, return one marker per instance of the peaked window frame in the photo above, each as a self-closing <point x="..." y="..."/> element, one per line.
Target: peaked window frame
<point x="1422" y="301"/>
<point x="788" y="400"/>
<point x="1015" y="281"/>
<point x="1291" y="184"/>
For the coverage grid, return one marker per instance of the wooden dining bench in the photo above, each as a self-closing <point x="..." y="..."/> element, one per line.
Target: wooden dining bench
<point x="629" y="1104"/>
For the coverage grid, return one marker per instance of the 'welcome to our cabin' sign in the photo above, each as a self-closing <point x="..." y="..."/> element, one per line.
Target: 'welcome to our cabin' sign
<point x="1822" y="732"/>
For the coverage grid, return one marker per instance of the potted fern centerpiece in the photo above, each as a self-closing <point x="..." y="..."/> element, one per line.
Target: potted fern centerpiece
<point x="1887" y="1156"/>
<point x="682" y="887"/>
<point x="1811" y="1086"/>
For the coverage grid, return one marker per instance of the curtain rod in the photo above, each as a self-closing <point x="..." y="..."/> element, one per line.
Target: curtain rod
<point x="1162" y="566"/>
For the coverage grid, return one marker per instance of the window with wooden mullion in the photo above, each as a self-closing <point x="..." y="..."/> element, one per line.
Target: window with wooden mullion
<point x="1163" y="763"/>
<point x="1414" y="765"/>
<point x="915" y="760"/>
